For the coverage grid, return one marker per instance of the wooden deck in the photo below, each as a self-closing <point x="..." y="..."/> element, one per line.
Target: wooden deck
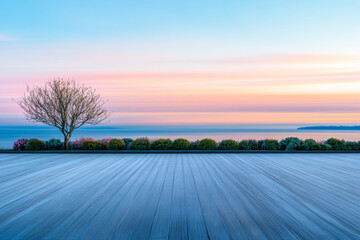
<point x="180" y="196"/>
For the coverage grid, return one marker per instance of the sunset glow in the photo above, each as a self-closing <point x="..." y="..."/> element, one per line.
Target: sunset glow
<point x="192" y="75"/>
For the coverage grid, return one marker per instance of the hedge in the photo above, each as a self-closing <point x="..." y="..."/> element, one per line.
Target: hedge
<point x="34" y="145"/>
<point x="228" y="144"/>
<point x="287" y="144"/>
<point x="206" y="144"/>
<point x="93" y="145"/>
<point x="140" y="144"/>
<point x="269" y="144"/>
<point x="162" y="144"/>
<point x="181" y="144"/>
<point x="116" y="144"/>
<point x="53" y="144"/>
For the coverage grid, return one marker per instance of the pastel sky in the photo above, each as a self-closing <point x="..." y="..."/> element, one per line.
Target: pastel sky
<point x="190" y="62"/>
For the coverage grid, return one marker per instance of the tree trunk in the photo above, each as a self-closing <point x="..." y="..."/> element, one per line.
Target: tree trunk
<point x="66" y="143"/>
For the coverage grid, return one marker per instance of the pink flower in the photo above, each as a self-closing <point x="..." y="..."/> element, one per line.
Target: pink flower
<point x="105" y="141"/>
<point x="77" y="143"/>
<point x="19" y="145"/>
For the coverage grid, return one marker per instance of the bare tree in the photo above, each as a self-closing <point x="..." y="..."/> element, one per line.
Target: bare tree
<point x="64" y="104"/>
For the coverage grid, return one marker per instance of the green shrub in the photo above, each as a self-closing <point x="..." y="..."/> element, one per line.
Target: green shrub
<point x="116" y="144"/>
<point x="284" y="143"/>
<point x="291" y="144"/>
<point x="260" y="144"/>
<point x="244" y="145"/>
<point x="100" y="146"/>
<point x="127" y="142"/>
<point x="140" y="144"/>
<point x="325" y="147"/>
<point x="228" y="144"/>
<point x="268" y="144"/>
<point x="87" y="145"/>
<point x="53" y="144"/>
<point x="295" y="145"/>
<point x="162" y="144"/>
<point x="351" y="146"/>
<point x="336" y="144"/>
<point x="194" y="144"/>
<point x="206" y="144"/>
<point x="253" y="144"/>
<point x="93" y="145"/>
<point x="181" y="144"/>
<point x="312" y="145"/>
<point x="34" y="145"/>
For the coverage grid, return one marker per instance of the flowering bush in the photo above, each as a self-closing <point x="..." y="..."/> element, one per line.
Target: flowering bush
<point x="19" y="145"/>
<point x="78" y="142"/>
<point x="105" y="141"/>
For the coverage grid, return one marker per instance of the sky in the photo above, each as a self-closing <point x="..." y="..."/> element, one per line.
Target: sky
<point x="189" y="62"/>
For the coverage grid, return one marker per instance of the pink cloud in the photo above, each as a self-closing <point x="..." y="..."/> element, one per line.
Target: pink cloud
<point x="290" y="59"/>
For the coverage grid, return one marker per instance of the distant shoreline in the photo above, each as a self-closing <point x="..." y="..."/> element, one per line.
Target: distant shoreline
<point x="347" y="128"/>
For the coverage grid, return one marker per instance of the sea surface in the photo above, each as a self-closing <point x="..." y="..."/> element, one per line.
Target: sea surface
<point x="9" y="134"/>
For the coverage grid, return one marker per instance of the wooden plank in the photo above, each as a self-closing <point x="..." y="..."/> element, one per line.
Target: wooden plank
<point x="103" y="225"/>
<point x="196" y="226"/>
<point x="126" y="227"/>
<point x="161" y="222"/>
<point x="180" y="196"/>
<point x="150" y="204"/>
<point x="93" y="206"/>
<point x="178" y="227"/>
<point x="216" y="227"/>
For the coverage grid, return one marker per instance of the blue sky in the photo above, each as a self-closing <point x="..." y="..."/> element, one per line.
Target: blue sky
<point x="306" y="25"/>
<point x="190" y="62"/>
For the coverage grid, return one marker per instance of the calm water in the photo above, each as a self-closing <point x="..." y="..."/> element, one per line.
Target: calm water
<point x="8" y="134"/>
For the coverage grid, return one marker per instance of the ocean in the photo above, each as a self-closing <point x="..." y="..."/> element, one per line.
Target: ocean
<point x="9" y="134"/>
